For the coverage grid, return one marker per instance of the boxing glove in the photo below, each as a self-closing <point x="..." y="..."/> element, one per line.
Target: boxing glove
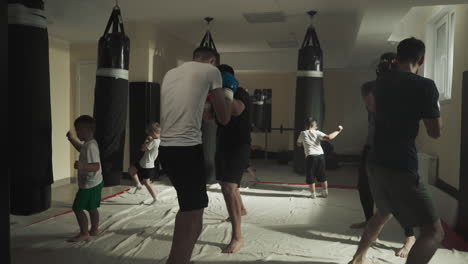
<point x="230" y="85"/>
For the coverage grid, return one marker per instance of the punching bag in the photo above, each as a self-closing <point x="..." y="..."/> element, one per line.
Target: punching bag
<point x="209" y="127"/>
<point x="29" y="125"/>
<point x="110" y="98"/>
<point x="309" y="90"/>
<point x="258" y="115"/>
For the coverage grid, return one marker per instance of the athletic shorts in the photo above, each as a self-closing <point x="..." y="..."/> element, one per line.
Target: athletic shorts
<point x="231" y="163"/>
<point x="185" y="168"/>
<point x="88" y="199"/>
<point x="145" y="173"/>
<point x="315" y="169"/>
<point x="400" y="193"/>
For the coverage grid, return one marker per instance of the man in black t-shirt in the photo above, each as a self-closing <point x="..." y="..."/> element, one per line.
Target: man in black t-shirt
<point x="387" y="64"/>
<point x="232" y="158"/>
<point x="401" y="99"/>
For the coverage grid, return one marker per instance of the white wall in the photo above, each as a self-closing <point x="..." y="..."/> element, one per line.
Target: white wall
<point x="59" y="61"/>
<point x="275" y="61"/>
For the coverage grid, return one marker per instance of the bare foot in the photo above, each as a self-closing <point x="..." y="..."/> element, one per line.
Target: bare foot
<point x="78" y="238"/>
<point x="243" y="213"/>
<point x="404" y="251"/>
<point x="234" y="246"/>
<point x="358" y="225"/>
<point x="93" y="232"/>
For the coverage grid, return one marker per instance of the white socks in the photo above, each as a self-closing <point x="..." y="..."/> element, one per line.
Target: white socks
<point x="324" y="194"/>
<point x="138" y="187"/>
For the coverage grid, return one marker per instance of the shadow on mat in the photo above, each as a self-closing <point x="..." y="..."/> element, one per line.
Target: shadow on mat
<point x="247" y="193"/>
<point x="320" y="233"/>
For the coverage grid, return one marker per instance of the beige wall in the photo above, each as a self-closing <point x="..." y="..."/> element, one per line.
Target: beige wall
<point x="59" y="61"/>
<point x="80" y="52"/>
<point x="447" y="147"/>
<point x="344" y="106"/>
<point x="168" y="51"/>
<point x="342" y="101"/>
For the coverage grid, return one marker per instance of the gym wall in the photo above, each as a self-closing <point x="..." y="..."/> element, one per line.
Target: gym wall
<point x="168" y="52"/>
<point x="59" y="60"/>
<point x="283" y="86"/>
<point x="344" y="106"/>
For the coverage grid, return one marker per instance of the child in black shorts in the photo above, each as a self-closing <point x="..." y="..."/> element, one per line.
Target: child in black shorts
<point x="145" y="167"/>
<point x="315" y="160"/>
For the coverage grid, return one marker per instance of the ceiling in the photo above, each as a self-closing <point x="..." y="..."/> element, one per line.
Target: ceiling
<point x="351" y="32"/>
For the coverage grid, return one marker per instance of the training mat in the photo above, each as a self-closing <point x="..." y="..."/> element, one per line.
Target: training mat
<point x="283" y="225"/>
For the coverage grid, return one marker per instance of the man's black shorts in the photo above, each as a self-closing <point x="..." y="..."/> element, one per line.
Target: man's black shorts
<point x="185" y="168"/>
<point x="231" y="163"/>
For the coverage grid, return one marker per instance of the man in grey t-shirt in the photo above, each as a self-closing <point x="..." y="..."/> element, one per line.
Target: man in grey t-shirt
<point x="184" y="91"/>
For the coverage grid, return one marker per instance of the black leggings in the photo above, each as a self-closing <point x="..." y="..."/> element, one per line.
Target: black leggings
<point x="365" y="195"/>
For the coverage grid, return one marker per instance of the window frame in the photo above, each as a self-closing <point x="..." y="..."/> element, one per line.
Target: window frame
<point x="444" y="15"/>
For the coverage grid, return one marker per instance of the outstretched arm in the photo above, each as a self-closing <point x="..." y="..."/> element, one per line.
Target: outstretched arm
<point x="75" y="143"/>
<point x="333" y="135"/>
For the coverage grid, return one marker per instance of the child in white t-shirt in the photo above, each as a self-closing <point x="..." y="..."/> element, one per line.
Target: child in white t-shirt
<point x="310" y="139"/>
<point x="88" y="197"/>
<point x="145" y="167"/>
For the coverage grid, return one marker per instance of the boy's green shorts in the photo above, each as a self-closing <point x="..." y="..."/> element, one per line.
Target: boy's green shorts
<point x="88" y="199"/>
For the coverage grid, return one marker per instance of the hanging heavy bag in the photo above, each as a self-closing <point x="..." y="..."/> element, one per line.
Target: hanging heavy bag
<point x="30" y="124"/>
<point x="310" y="101"/>
<point x="110" y="98"/>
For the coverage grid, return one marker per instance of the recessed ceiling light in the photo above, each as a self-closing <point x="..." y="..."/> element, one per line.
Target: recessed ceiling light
<point x="283" y="44"/>
<point x="267" y="17"/>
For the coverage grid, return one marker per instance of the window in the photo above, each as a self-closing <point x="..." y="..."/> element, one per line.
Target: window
<point x="439" y="53"/>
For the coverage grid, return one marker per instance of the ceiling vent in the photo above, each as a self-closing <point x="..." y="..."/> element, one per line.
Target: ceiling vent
<point x="283" y="44"/>
<point x="268" y="17"/>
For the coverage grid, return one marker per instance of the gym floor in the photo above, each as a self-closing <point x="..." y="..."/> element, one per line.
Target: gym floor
<point x="283" y="225"/>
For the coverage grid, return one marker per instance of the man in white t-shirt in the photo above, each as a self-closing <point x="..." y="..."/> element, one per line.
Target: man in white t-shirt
<point x="184" y="91"/>
<point x="310" y="139"/>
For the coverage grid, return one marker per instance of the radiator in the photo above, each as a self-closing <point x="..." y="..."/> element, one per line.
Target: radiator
<point x="427" y="168"/>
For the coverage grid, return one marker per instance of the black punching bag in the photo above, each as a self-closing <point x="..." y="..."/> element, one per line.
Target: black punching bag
<point x="209" y="127"/>
<point x="309" y="90"/>
<point x="258" y="115"/>
<point x="110" y="98"/>
<point x="29" y="125"/>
